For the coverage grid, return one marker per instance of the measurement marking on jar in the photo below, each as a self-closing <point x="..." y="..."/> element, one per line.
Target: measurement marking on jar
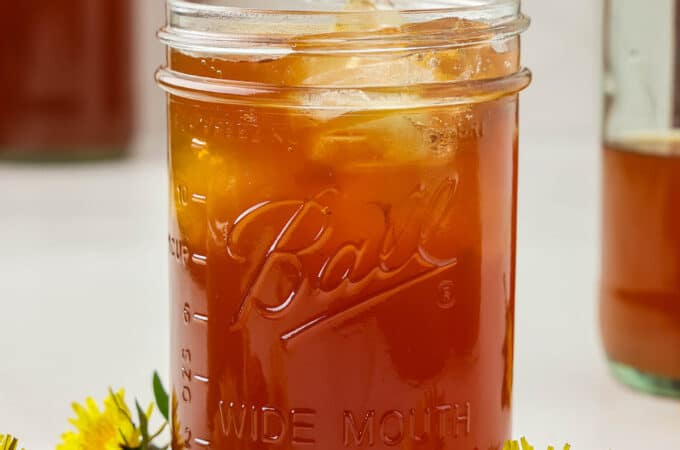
<point x="198" y="198"/>
<point x="200" y="260"/>
<point x="202" y="442"/>
<point x="200" y="378"/>
<point x="201" y="317"/>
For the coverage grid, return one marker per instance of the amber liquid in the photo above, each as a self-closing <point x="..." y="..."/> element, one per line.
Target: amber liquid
<point x="640" y="307"/>
<point x="340" y="280"/>
<point x="65" y="77"/>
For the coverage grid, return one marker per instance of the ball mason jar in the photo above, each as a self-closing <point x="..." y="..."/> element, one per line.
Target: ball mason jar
<point x="343" y="183"/>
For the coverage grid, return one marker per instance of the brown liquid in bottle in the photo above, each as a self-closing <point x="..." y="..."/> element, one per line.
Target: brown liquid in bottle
<point x="65" y="78"/>
<point x="640" y="298"/>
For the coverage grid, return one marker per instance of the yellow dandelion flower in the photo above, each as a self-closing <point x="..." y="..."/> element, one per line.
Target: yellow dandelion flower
<point x="102" y="430"/>
<point x="524" y="445"/>
<point x="8" y="442"/>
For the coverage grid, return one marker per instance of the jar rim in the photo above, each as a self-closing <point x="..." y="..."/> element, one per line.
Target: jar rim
<point x="216" y="27"/>
<point x="439" y="6"/>
<point x="209" y="29"/>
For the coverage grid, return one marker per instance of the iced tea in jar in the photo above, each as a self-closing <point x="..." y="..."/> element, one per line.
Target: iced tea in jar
<point x="342" y="227"/>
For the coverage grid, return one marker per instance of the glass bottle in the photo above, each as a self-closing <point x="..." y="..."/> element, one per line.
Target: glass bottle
<point x="640" y="284"/>
<point x="65" y="79"/>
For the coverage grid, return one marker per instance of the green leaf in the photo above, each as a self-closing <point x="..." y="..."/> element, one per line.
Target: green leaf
<point x="161" y="395"/>
<point x="143" y="427"/>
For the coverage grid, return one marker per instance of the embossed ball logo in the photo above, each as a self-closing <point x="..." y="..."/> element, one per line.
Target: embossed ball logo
<point x="307" y="254"/>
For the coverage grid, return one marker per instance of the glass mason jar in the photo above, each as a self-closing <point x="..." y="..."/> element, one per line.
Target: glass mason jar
<point x="640" y="288"/>
<point x="66" y="79"/>
<point x="342" y="223"/>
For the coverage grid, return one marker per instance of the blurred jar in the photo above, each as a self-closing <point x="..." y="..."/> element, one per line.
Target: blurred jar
<point x="65" y="79"/>
<point x="640" y="290"/>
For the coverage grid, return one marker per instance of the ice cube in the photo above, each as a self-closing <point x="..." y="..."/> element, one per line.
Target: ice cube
<point x="382" y="15"/>
<point x="349" y="74"/>
<point x="381" y="138"/>
<point x="373" y="71"/>
<point x="491" y="59"/>
<point x="382" y="141"/>
<point x="332" y="103"/>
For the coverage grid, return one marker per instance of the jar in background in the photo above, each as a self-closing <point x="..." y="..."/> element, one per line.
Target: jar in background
<point x="66" y="79"/>
<point x="343" y="189"/>
<point x="640" y="289"/>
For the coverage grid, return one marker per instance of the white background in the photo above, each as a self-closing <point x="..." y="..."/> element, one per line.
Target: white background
<point x="83" y="281"/>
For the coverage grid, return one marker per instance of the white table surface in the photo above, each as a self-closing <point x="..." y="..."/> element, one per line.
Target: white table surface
<point x="83" y="289"/>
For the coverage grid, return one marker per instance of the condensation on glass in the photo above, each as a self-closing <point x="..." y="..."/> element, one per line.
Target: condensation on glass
<point x="342" y="223"/>
<point x="66" y="79"/>
<point x="640" y="288"/>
